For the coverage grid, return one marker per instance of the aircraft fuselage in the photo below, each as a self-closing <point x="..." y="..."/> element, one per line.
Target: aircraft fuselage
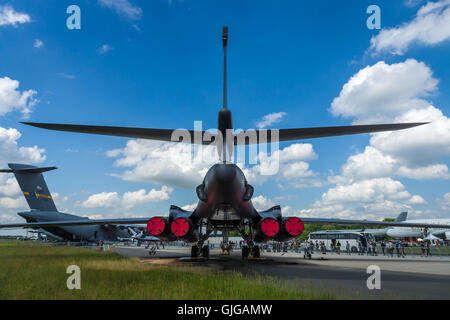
<point x="225" y="194"/>
<point x="74" y="233"/>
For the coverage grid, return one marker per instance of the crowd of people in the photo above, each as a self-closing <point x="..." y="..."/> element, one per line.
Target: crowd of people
<point x="389" y="248"/>
<point x="370" y="248"/>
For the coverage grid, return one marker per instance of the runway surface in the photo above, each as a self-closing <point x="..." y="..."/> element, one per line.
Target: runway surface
<point x="401" y="278"/>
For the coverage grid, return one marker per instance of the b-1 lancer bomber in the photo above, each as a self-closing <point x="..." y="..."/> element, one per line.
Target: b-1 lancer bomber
<point x="225" y="196"/>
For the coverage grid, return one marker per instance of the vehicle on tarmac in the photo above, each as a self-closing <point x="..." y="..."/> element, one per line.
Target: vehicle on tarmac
<point x="353" y="238"/>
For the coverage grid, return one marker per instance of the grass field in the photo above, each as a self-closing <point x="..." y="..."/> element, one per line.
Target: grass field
<point x="38" y="271"/>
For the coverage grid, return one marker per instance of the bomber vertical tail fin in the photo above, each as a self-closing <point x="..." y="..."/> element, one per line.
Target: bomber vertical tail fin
<point x="33" y="186"/>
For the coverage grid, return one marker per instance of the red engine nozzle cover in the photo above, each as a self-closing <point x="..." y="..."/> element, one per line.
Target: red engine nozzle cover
<point x="156" y="226"/>
<point x="270" y="227"/>
<point x="180" y="227"/>
<point x="294" y="226"/>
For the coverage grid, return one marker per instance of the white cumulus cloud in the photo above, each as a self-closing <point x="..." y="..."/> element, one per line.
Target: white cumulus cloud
<point x="8" y="16"/>
<point x="105" y="48"/>
<point x="8" y="186"/>
<point x="38" y="43"/>
<point x="379" y="93"/>
<point x="444" y="202"/>
<point x="10" y="151"/>
<point x="129" y="199"/>
<point x="367" y="185"/>
<point x="179" y="165"/>
<point x="419" y="146"/>
<point x="369" y="190"/>
<point x="172" y="164"/>
<point x="416" y="199"/>
<point x="12" y="203"/>
<point x="12" y="99"/>
<point x="262" y="203"/>
<point x="123" y="8"/>
<point x="270" y="119"/>
<point x="414" y="153"/>
<point x="430" y="26"/>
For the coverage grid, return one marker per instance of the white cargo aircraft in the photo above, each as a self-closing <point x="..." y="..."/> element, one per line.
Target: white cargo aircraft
<point x="425" y="233"/>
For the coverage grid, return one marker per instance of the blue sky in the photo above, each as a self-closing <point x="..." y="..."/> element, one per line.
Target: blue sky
<point x="158" y="64"/>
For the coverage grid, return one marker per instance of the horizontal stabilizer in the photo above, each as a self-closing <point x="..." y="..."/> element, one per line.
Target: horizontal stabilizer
<point x="266" y="135"/>
<point x="24" y="168"/>
<point x="138" y="133"/>
<point x="320" y="132"/>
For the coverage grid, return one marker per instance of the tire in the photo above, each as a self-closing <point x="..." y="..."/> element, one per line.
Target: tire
<point x="194" y="251"/>
<point x="256" y="252"/>
<point x="245" y="252"/>
<point x="205" y="252"/>
<point x="354" y="249"/>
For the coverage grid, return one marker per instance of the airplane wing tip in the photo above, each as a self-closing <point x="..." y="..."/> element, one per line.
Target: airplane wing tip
<point x="33" y="124"/>
<point x="415" y="124"/>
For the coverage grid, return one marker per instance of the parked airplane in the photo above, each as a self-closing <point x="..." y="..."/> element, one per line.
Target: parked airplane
<point x="224" y="195"/>
<point x="379" y="233"/>
<point x="138" y="236"/>
<point x="442" y="232"/>
<point x="43" y="209"/>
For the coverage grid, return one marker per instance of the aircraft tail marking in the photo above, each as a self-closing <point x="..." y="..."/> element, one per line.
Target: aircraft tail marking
<point x="33" y="186"/>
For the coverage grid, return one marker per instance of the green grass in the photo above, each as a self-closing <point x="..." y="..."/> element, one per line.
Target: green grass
<point x="37" y="271"/>
<point x="436" y="251"/>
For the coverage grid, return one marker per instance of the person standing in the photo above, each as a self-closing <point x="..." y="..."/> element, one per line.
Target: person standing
<point x="360" y="249"/>
<point x="402" y="248"/>
<point x="428" y="248"/>
<point x="374" y="249"/>
<point x="383" y="247"/>
<point x="305" y="249"/>
<point x="391" y="249"/>
<point x="397" y="248"/>
<point x="338" y="245"/>
<point x="347" y="247"/>
<point x="369" y="248"/>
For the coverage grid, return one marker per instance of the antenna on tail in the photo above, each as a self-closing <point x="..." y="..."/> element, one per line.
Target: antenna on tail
<point x="225" y="40"/>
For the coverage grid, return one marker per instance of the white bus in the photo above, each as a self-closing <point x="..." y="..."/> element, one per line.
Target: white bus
<point x="353" y="237"/>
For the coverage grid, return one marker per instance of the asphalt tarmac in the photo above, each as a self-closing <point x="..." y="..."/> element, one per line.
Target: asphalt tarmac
<point x="401" y="278"/>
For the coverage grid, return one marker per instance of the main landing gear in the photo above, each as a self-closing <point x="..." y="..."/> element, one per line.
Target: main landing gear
<point x="196" y="251"/>
<point x="254" y="250"/>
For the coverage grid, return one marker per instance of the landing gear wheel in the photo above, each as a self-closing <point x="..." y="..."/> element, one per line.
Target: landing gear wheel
<point x="205" y="252"/>
<point x="245" y="252"/>
<point x="256" y="252"/>
<point x="194" y="251"/>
